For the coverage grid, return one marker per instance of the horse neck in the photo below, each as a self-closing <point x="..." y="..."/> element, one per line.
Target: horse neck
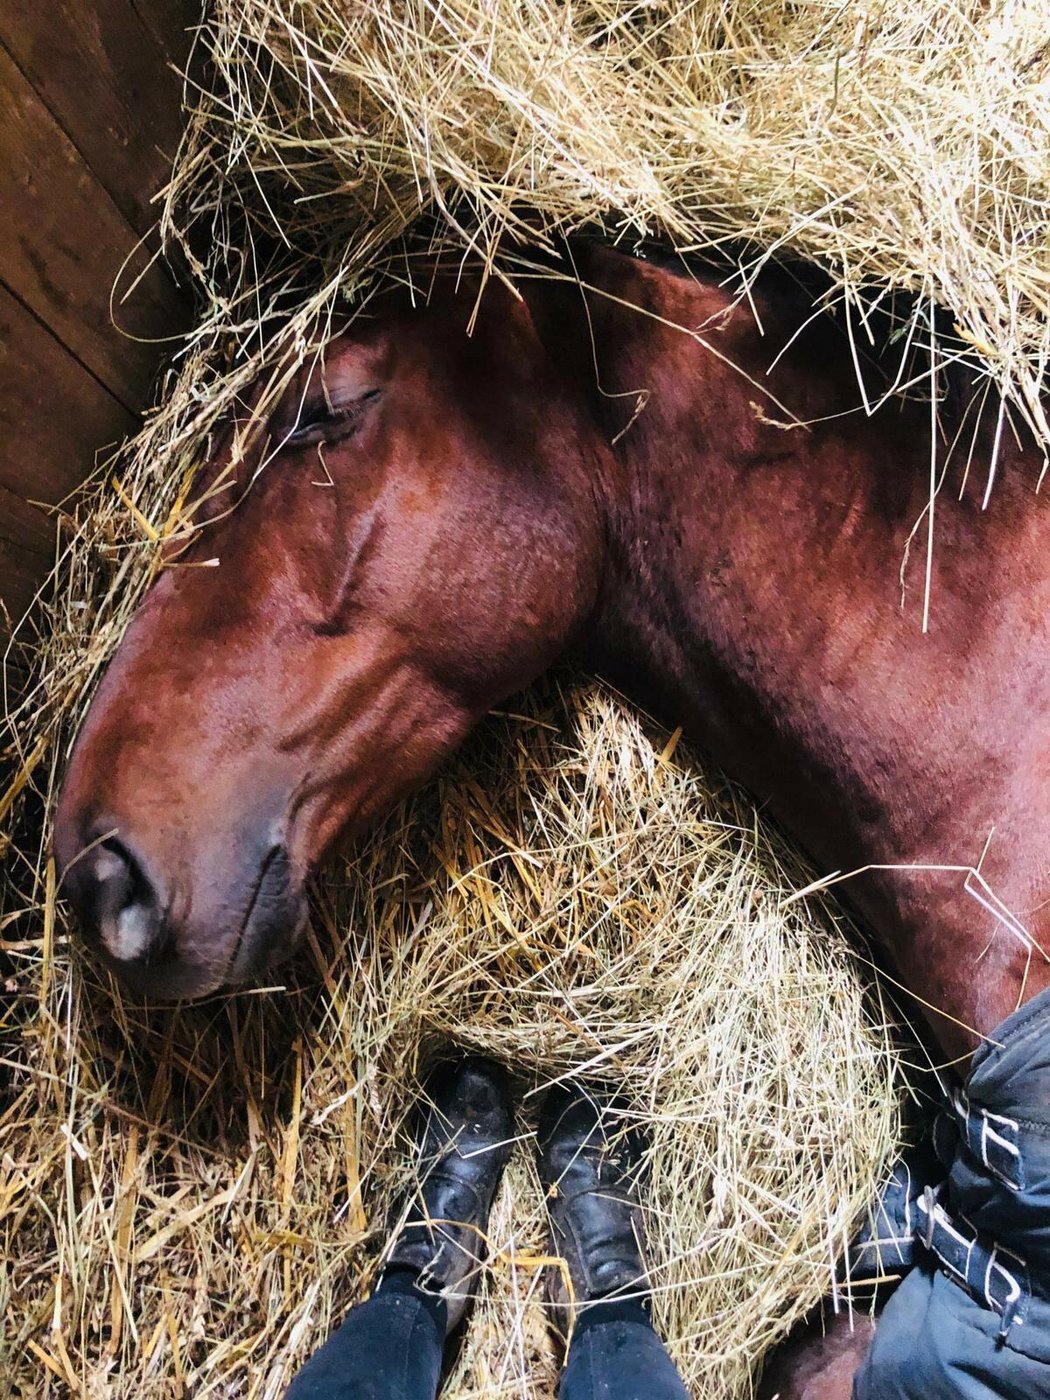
<point x="752" y="595"/>
<point x="711" y="482"/>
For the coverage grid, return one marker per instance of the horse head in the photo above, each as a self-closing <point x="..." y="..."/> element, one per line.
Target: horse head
<point x="415" y="535"/>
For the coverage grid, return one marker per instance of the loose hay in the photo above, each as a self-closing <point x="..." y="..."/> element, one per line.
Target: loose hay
<point x="190" y="1198"/>
<point x="905" y="146"/>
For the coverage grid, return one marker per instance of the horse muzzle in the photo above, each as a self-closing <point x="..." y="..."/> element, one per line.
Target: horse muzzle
<point x="127" y="917"/>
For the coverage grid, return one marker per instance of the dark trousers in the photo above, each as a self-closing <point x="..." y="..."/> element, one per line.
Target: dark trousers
<point x="391" y="1347"/>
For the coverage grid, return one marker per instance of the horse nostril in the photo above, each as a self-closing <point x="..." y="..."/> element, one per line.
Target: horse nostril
<point x="118" y="899"/>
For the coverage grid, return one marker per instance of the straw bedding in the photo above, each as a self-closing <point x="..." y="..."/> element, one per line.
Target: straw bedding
<point x="904" y="145"/>
<point x="188" y="1197"/>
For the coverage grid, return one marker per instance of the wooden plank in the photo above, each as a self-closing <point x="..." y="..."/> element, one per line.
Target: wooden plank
<point x="25" y="524"/>
<point x="54" y="417"/>
<point x="63" y="241"/>
<point x="21" y="573"/>
<point x="103" y="77"/>
<point x="24" y="565"/>
<point x="171" y="22"/>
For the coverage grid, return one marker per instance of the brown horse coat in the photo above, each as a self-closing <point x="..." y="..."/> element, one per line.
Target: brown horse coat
<point x="745" y="551"/>
<point x="617" y="471"/>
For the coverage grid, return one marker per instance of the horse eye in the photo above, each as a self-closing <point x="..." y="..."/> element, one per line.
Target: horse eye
<point x="325" y="421"/>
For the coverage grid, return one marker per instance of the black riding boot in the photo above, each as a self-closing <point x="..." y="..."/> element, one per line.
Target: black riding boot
<point x="390" y="1347"/>
<point x="600" y="1298"/>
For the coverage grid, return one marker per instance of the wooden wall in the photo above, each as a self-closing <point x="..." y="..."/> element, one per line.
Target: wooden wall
<point x="90" y="116"/>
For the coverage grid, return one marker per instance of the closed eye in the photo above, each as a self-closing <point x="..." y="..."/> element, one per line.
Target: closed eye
<point x="327" y="421"/>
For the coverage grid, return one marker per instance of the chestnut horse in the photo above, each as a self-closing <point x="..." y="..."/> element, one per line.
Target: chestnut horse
<point x="611" y="470"/>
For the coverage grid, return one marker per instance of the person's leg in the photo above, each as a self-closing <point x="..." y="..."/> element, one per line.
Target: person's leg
<point x="616" y="1355"/>
<point x="972" y="1319"/>
<point x="389" y="1348"/>
<point x="599" y="1296"/>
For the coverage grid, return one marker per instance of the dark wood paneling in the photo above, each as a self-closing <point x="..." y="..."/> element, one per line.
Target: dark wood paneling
<point x="102" y="75"/>
<point x="45" y="452"/>
<point x="54" y="418"/>
<point x="89" y="118"/>
<point x="22" y="571"/>
<point x="63" y="242"/>
<point x="171" y="23"/>
<point x="26" y="525"/>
